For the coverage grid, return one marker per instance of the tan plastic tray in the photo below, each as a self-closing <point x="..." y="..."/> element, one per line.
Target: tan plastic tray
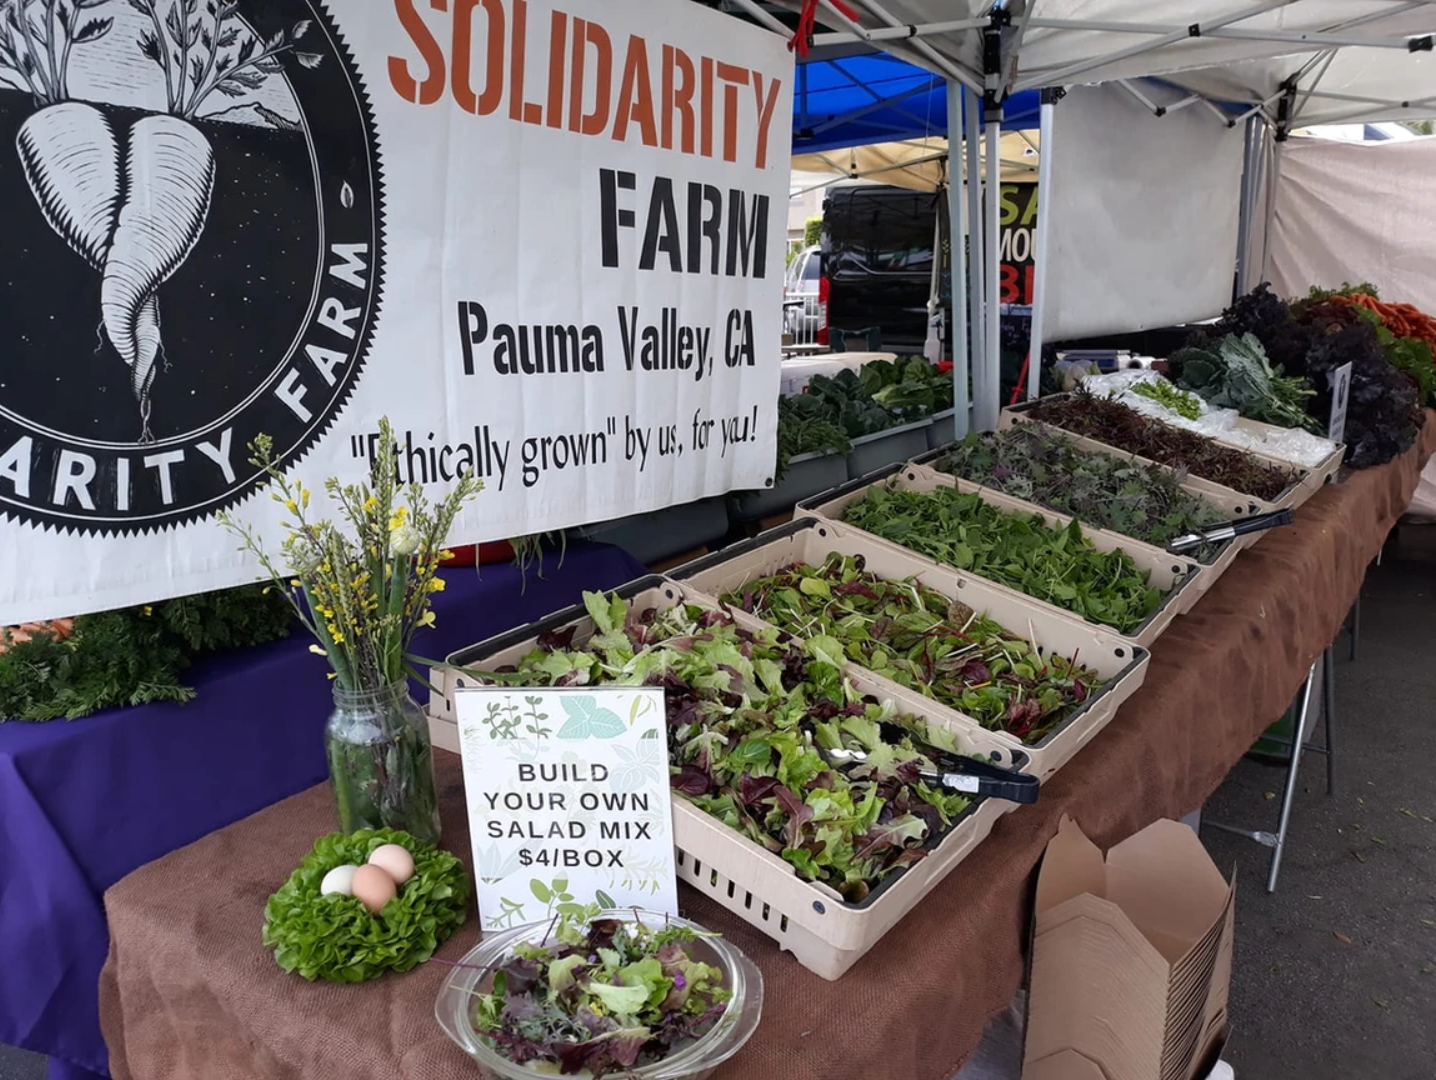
<point x="1121" y="665"/>
<point x="1303" y="488"/>
<point x="1196" y="589"/>
<point x="1173" y="575"/>
<point x="826" y="934"/>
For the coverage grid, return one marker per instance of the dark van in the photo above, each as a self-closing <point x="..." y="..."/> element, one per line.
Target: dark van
<point x="877" y="261"/>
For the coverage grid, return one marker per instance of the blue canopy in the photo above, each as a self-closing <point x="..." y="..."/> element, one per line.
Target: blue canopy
<point x="878" y="98"/>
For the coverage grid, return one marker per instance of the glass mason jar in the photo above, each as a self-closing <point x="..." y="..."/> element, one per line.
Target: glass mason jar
<point x="382" y="762"/>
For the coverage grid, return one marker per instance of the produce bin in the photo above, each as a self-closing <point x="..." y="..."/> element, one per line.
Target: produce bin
<point x="826" y="933"/>
<point x="1294" y="496"/>
<point x="662" y="534"/>
<point x="1317" y="475"/>
<point x="1172" y="575"/>
<point x="943" y="430"/>
<point x="807" y="475"/>
<point x="897" y="444"/>
<point x="1120" y="665"/>
<point x="1205" y="580"/>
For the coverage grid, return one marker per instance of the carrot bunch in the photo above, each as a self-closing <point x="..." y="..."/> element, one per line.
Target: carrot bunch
<point x="58" y="628"/>
<point x="1403" y="320"/>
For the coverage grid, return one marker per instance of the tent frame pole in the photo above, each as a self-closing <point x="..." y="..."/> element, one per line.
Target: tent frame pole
<point x="958" y="272"/>
<point x="1046" y="117"/>
<point x="991" y="405"/>
<point x="976" y="260"/>
<point x="1064" y="75"/>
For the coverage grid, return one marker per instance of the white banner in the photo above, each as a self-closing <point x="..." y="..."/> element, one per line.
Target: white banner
<point x="545" y="239"/>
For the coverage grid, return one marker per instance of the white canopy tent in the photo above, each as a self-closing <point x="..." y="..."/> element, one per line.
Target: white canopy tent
<point x="1262" y="65"/>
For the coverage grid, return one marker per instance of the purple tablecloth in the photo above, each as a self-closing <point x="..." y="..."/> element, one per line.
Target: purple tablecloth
<point x="83" y="803"/>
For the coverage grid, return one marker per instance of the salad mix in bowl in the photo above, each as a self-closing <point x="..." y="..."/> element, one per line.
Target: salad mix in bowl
<point x="619" y="994"/>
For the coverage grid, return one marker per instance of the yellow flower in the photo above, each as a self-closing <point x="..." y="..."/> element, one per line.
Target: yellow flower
<point x="291" y="506"/>
<point x="333" y="675"/>
<point x="401" y="515"/>
<point x="446" y="555"/>
<point x="295" y="582"/>
<point x="149" y="610"/>
<point x="437" y="585"/>
<point x="317" y="651"/>
<point x="370" y="503"/>
<point x="426" y="620"/>
<point x="305" y="496"/>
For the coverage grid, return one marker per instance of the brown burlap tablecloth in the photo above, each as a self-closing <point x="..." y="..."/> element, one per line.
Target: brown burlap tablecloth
<point x="189" y="992"/>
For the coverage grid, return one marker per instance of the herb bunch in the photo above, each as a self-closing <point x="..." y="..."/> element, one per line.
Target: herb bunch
<point x="1021" y="551"/>
<point x="1122" y="428"/>
<point x="919" y="639"/>
<point x="749" y="716"/>
<point x="1314" y="337"/>
<point x="366" y="588"/>
<point x="135" y="655"/>
<point x="1145" y="502"/>
<point x="1164" y="393"/>
<point x="1234" y="373"/>
<point x="604" y="997"/>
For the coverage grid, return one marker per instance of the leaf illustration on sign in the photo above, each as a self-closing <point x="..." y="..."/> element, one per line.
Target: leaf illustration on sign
<point x="491" y="864"/>
<point x="587" y="720"/>
<point x="637" y="769"/>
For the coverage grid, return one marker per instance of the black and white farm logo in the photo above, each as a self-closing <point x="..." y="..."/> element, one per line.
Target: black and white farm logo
<point x="189" y="251"/>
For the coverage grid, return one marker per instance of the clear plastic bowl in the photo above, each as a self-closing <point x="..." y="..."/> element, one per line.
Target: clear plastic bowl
<point x="695" y="1061"/>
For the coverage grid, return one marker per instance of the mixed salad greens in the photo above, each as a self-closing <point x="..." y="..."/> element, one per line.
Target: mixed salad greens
<point x="752" y="718"/>
<point x="920" y="639"/>
<point x="604" y="996"/>
<point x="1030" y="462"/>
<point x="1021" y="551"/>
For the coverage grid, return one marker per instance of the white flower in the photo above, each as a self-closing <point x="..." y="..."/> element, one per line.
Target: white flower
<point x="404" y="540"/>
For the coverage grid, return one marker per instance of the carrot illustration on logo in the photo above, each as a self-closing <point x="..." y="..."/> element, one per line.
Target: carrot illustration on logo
<point x="134" y="206"/>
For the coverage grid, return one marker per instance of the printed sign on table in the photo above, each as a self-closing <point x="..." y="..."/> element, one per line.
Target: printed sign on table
<point x="568" y="799"/>
<point x="1340" y="381"/>
<point x="543" y="236"/>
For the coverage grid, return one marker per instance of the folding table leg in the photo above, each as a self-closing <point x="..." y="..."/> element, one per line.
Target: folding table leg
<point x="1328" y="708"/>
<point x="1289" y="795"/>
<point x="1356" y="622"/>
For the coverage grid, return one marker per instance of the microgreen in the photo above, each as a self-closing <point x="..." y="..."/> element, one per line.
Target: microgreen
<point x="1111" y="492"/>
<point x="1021" y="551"/>
<point x="920" y="639"/>
<point x="1123" y="428"/>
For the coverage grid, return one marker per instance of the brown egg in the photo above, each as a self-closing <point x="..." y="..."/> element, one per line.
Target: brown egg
<point x="373" y="888"/>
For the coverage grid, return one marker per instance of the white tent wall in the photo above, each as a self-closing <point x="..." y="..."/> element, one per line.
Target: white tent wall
<point x="1143" y="216"/>
<point x="1356" y="212"/>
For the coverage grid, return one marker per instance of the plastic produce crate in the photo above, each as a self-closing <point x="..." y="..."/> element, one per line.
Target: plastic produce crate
<point x="871" y="452"/>
<point x="823" y="931"/>
<point x="1121" y="665"/>
<point x="807" y="475"/>
<point x="1211" y="572"/>
<point x="661" y="534"/>
<point x="1173" y="575"/>
<point x="943" y="430"/>
<point x="1301" y="489"/>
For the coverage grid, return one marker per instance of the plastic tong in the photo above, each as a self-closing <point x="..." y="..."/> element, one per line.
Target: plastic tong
<point x="1230" y="531"/>
<point x="970" y="776"/>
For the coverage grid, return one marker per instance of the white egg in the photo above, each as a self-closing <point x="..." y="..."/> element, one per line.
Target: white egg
<point x="395" y="860"/>
<point x="339" y="881"/>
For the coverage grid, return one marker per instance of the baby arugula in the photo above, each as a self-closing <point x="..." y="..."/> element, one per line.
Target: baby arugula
<point x="749" y="718"/>
<point x="919" y="639"/>
<point x="1145" y="502"/>
<point x="1020" y="551"/>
